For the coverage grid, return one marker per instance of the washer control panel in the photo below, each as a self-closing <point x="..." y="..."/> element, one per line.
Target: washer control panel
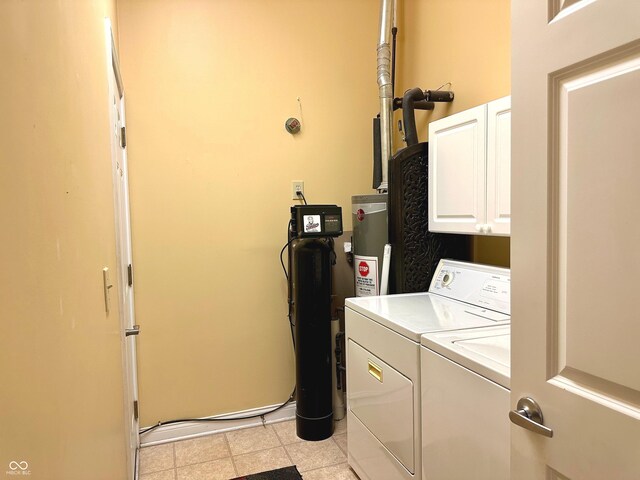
<point x="481" y="285"/>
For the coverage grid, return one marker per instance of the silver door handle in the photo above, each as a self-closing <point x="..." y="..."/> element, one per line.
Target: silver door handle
<point x="529" y="415"/>
<point x="132" y="331"/>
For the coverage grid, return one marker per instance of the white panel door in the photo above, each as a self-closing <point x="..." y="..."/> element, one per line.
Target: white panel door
<point x="499" y="167"/>
<point x="575" y="249"/>
<point x="457" y="153"/>
<point x="123" y="253"/>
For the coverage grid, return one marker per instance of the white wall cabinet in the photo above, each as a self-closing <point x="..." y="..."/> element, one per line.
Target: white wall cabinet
<point x="470" y="171"/>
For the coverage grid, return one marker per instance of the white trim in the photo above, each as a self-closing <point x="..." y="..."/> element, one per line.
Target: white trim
<point x="183" y="431"/>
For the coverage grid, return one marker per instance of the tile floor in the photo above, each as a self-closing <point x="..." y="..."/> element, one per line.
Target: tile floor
<point x="241" y="452"/>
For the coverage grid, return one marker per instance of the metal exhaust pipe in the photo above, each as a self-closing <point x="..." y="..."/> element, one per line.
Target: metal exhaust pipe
<point x="385" y="87"/>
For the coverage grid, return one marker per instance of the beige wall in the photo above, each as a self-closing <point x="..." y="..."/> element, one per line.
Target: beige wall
<point x="209" y="86"/>
<point x="61" y="395"/>
<point x="467" y="43"/>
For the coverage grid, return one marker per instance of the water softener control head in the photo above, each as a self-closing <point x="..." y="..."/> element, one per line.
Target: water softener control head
<point x="316" y="220"/>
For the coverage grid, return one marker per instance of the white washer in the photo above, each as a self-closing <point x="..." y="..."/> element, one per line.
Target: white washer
<point x="465" y="404"/>
<point x="383" y="361"/>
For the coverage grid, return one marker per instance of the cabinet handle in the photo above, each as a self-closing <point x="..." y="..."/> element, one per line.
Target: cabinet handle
<point x="486" y="228"/>
<point x="479" y="227"/>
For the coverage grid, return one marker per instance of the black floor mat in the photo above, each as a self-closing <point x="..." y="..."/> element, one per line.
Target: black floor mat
<point x="286" y="473"/>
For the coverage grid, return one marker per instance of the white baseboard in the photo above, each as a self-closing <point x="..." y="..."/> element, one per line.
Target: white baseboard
<point x="183" y="431"/>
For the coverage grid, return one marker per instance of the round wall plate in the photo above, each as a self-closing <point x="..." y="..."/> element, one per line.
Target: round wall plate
<point x="292" y="125"/>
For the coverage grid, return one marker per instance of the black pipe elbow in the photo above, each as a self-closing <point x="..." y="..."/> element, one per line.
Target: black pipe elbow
<point x="408" y="115"/>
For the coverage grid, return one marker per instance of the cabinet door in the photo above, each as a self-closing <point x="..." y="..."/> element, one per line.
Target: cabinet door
<point x="457" y="157"/>
<point x="499" y="167"/>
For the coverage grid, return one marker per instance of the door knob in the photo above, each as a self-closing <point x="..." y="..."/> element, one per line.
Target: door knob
<point x="132" y="331"/>
<point x="528" y="415"/>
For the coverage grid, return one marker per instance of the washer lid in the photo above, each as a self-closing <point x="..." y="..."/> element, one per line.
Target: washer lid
<point x="485" y="351"/>
<point x="414" y="314"/>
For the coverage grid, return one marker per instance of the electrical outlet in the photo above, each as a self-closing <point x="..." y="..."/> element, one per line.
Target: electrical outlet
<point x="297" y="186"/>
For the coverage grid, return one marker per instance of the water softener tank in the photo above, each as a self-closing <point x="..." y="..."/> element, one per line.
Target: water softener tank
<point x="370" y="234"/>
<point x="311" y="257"/>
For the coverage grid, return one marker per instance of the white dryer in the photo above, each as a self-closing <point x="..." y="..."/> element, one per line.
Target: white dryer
<point x="383" y="361"/>
<point x="465" y="404"/>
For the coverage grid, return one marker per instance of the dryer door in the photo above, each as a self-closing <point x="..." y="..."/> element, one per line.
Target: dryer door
<point x="382" y="399"/>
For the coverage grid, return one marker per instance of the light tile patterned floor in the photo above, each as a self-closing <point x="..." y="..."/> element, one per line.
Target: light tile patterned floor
<point x="242" y="452"/>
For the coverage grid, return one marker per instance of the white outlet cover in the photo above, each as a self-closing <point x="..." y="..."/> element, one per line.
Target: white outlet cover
<point x="296" y="186"/>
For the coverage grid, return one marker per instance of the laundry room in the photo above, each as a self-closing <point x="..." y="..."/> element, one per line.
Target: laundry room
<point x="238" y="234"/>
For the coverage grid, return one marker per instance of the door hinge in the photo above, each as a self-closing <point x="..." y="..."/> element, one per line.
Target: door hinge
<point x="130" y="275"/>
<point x="123" y="137"/>
<point x="135" y="409"/>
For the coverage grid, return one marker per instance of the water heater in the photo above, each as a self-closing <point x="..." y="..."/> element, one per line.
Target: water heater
<point x="370" y="234"/>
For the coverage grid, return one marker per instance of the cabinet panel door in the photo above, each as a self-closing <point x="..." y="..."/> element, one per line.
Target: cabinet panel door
<point x="457" y="155"/>
<point x="499" y="166"/>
